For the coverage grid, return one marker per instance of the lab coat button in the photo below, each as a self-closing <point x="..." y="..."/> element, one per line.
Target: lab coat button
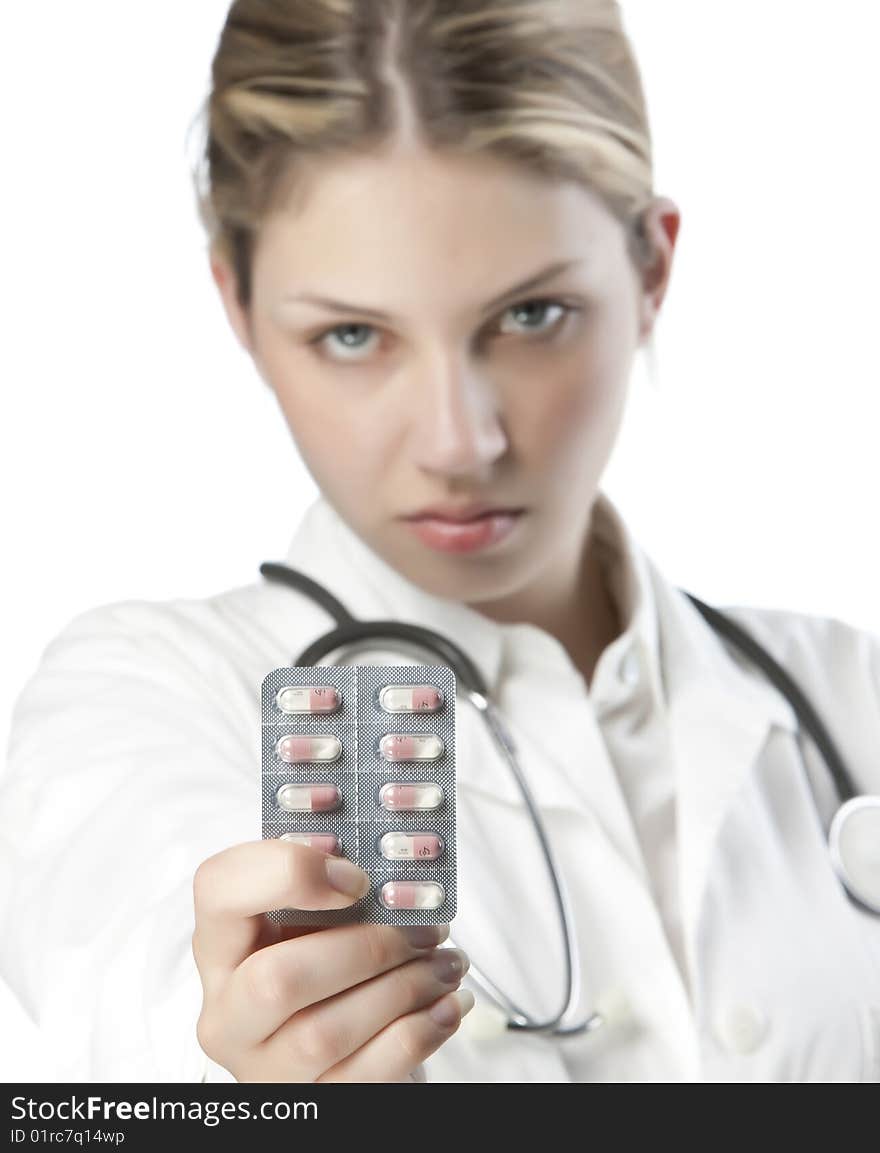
<point x="741" y="1028"/>
<point x="630" y="670"/>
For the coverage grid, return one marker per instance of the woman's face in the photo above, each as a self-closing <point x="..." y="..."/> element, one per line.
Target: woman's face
<point x="461" y="391"/>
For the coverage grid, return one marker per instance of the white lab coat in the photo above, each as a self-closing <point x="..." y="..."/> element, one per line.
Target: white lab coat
<point x="134" y="755"/>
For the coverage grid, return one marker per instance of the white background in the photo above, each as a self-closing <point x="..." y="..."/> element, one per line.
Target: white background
<point x="138" y="441"/>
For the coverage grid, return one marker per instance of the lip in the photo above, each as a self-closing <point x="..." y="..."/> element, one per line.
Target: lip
<point x="461" y="513"/>
<point x="461" y="536"/>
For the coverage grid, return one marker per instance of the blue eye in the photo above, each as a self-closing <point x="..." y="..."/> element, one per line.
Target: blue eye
<point x="345" y="331"/>
<point x="543" y="306"/>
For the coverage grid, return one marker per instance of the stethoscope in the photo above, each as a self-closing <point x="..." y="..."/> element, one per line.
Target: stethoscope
<point x="853" y="835"/>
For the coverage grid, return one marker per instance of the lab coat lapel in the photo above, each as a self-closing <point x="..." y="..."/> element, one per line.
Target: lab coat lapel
<point x="721" y="713"/>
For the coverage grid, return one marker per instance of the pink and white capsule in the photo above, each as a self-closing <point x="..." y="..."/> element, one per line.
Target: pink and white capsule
<point x="412" y="894"/>
<point x="401" y="798"/>
<point x="411" y="846"/>
<point x="308" y="699"/>
<point x="317" y="798"/>
<point x="293" y="750"/>
<point x="411" y="699"/>
<point x="411" y="747"/>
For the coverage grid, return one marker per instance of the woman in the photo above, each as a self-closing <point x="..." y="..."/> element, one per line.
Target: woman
<point x="433" y="229"/>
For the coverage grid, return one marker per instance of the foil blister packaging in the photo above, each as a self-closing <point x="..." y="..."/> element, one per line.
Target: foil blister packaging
<point x="360" y="759"/>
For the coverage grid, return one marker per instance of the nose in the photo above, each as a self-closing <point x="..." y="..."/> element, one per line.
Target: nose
<point x="458" y="429"/>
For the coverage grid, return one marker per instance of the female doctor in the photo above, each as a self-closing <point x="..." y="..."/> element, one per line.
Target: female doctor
<point x="433" y="229"/>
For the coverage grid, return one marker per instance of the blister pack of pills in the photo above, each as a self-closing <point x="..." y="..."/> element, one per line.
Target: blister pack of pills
<point x="359" y="760"/>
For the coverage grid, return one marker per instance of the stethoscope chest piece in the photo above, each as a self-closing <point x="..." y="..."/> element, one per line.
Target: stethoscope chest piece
<point x="854" y="845"/>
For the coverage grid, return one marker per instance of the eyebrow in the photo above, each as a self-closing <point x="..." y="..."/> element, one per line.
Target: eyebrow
<point x="523" y="286"/>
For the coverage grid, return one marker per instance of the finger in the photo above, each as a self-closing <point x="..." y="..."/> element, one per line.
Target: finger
<point x="325" y="1033"/>
<point x="272" y="984"/>
<point x="233" y="889"/>
<point x="405" y="1043"/>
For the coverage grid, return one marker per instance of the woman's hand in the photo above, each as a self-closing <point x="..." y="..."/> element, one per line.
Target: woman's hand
<point x="298" y="1003"/>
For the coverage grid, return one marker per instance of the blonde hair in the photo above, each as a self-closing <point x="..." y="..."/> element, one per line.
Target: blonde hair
<point x="551" y="85"/>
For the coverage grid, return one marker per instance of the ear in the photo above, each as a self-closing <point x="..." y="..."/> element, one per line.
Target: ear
<point x="662" y="220"/>
<point x="227" y="284"/>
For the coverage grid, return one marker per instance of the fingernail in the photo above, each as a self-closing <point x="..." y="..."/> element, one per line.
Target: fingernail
<point x="449" y="965"/>
<point x="449" y="1010"/>
<point x="346" y="877"/>
<point x="424" y="936"/>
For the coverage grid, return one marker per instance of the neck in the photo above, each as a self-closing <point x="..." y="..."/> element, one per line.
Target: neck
<point x="597" y="622"/>
<point x="578" y="610"/>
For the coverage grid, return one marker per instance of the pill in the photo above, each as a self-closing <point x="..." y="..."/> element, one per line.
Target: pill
<point x="295" y="749"/>
<point x="411" y="846"/>
<point x="412" y="894"/>
<point x="308" y="699"/>
<point x="410" y="747"/>
<point x="326" y="842"/>
<point x="411" y="699"/>
<point x="401" y="797"/>
<point x="309" y="798"/>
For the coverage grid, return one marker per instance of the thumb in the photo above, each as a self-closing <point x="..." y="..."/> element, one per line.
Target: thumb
<point x="344" y="876"/>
